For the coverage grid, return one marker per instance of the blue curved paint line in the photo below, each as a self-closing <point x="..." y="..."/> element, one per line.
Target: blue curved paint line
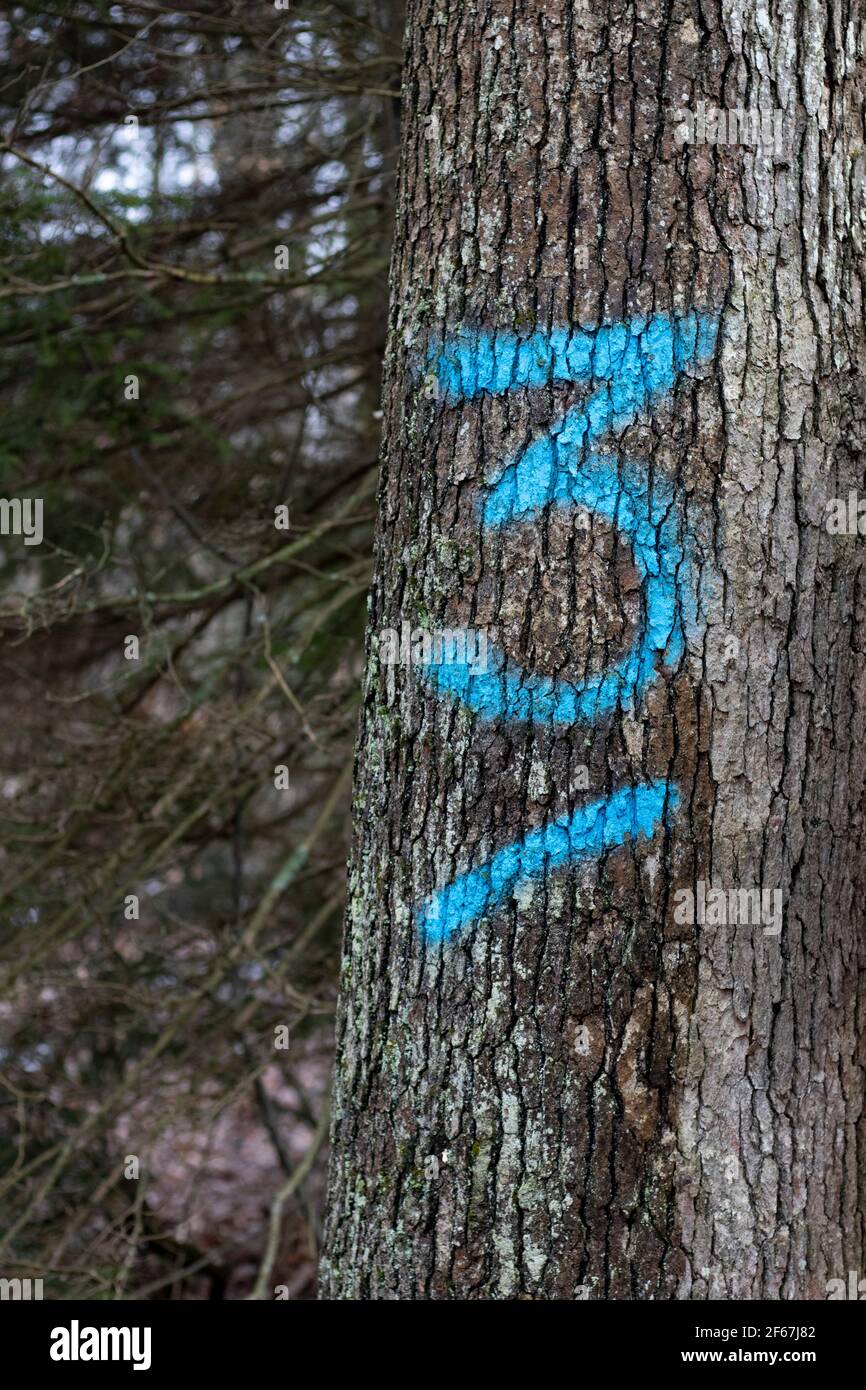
<point x="584" y="834"/>
<point x="650" y="523"/>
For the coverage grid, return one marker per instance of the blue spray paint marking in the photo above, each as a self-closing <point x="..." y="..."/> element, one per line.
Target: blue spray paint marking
<point x="650" y="523"/>
<point x="584" y="834"/>
<point x="646" y="354"/>
<point x="630" y="368"/>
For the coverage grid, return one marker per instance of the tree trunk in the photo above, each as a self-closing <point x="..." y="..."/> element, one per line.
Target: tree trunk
<point x="577" y="1056"/>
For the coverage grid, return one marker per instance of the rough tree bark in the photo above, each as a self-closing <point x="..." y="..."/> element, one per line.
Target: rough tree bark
<point x="563" y="1087"/>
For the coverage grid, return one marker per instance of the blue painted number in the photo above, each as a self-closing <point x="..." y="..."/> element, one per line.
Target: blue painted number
<point x="629" y="368"/>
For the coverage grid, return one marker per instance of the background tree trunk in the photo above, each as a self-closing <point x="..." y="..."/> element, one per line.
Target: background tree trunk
<point x="553" y="1086"/>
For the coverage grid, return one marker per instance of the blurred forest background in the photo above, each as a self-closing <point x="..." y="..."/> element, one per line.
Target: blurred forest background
<point x="195" y="218"/>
